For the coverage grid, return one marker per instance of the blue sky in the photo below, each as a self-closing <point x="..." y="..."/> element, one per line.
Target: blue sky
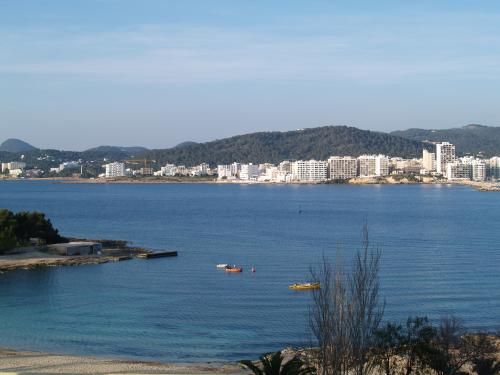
<point x="75" y="74"/>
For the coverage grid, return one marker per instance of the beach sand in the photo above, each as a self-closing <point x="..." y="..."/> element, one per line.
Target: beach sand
<point x="27" y="362"/>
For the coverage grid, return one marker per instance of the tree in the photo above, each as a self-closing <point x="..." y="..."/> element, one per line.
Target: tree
<point x="365" y="309"/>
<point x="275" y="364"/>
<point x="17" y="229"/>
<point x="346" y="312"/>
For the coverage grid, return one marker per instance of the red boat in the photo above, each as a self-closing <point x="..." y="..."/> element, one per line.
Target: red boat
<point x="234" y="269"/>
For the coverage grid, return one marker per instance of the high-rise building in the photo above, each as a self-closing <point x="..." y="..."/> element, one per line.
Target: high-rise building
<point x="429" y="161"/>
<point x="495" y="167"/>
<point x="381" y="165"/>
<point x="342" y="167"/>
<point x="310" y="170"/>
<point x="367" y="166"/>
<point x="445" y="153"/>
<point x="115" y="170"/>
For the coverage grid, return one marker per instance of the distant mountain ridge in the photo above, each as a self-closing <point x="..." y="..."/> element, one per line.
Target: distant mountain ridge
<point x="313" y="143"/>
<point x="275" y="146"/>
<point x="132" y="150"/>
<point x="471" y="139"/>
<point x="16" y="145"/>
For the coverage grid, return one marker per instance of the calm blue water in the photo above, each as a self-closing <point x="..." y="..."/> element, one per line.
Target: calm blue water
<point x="440" y="245"/>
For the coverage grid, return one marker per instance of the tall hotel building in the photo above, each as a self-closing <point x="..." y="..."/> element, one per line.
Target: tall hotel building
<point x="310" y="170"/>
<point x="445" y="153"/>
<point x="342" y="167"/>
<point x="429" y="161"/>
<point x="115" y="170"/>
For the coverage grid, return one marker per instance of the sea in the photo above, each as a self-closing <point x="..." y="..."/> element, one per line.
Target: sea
<point x="439" y="244"/>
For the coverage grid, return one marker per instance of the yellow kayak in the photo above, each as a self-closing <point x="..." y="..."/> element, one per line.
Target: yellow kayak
<point x="305" y="286"/>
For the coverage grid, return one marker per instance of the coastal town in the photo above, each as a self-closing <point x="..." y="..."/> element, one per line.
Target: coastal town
<point x="440" y="161"/>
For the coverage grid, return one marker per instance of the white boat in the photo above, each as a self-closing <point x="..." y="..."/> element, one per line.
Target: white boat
<point x="222" y="265"/>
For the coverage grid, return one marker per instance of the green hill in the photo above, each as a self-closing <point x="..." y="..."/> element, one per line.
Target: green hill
<point x="470" y="139"/>
<point x="313" y="143"/>
<point x="16" y="145"/>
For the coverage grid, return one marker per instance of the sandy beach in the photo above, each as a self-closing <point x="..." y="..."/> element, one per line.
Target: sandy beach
<point x="29" y="362"/>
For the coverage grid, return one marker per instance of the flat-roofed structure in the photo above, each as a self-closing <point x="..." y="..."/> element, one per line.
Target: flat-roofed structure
<point x="75" y="248"/>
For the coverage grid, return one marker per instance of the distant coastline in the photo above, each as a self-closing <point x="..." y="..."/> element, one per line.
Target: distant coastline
<point x="387" y="180"/>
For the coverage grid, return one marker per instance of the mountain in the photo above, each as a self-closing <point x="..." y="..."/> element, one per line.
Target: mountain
<point x="273" y="147"/>
<point x="16" y="145"/>
<point x="184" y="144"/>
<point x="471" y="139"/>
<point x="131" y="151"/>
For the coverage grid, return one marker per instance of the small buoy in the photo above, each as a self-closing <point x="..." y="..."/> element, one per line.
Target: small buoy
<point x="253" y="269"/>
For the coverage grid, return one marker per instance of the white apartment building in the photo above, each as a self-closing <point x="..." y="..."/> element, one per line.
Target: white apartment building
<point x="202" y="169"/>
<point x="458" y="170"/>
<point x="445" y="153"/>
<point x="13" y="165"/>
<point x="429" y="161"/>
<point x="285" y="166"/>
<point x="479" y="170"/>
<point x="310" y="170"/>
<point x="224" y="171"/>
<point x="342" y="167"/>
<point x="494" y="167"/>
<point x="115" y="170"/>
<point x="381" y="165"/>
<point x="182" y="170"/>
<point x="249" y="172"/>
<point x="367" y="165"/>
<point x="235" y="169"/>
<point x="168" y="170"/>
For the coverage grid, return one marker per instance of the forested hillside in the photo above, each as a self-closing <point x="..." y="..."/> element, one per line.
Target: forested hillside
<point x="314" y="143"/>
<point x="470" y="139"/>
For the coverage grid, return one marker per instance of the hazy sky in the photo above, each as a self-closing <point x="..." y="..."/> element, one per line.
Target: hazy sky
<point x="76" y="74"/>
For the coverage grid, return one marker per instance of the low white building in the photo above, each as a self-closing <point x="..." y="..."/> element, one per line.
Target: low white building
<point x="168" y="170"/>
<point x="479" y="170"/>
<point x="115" y="170"/>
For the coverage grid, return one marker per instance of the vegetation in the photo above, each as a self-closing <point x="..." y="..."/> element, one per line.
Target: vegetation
<point x="345" y="321"/>
<point x="275" y="364"/>
<point x="274" y="147"/>
<point x="470" y="139"/>
<point x="16" y="229"/>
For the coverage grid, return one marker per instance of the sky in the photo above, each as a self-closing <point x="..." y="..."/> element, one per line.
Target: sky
<point x="77" y="74"/>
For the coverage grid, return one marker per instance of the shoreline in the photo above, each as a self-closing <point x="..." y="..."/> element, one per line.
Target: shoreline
<point x="30" y="361"/>
<point x="28" y="258"/>
<point x="388" y="180"/>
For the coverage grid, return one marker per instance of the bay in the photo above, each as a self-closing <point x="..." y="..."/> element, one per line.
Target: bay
<point x="440" y="249"/>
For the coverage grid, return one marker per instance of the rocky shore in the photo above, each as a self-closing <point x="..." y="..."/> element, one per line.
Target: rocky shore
<point x="37" y="256"/>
